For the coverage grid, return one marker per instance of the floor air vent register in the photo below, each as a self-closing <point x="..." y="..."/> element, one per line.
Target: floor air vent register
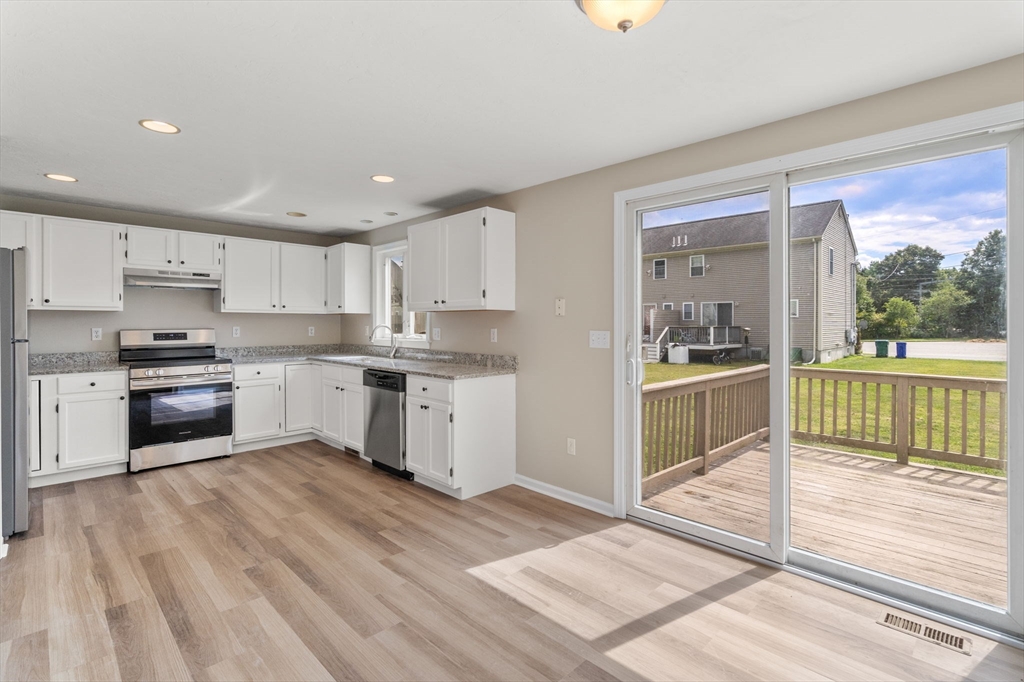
<point x="927" y="633"/>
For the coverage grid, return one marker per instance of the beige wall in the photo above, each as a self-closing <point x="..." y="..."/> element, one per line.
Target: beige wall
<point x="564" y="249"/>
<point x="61" y="331"/>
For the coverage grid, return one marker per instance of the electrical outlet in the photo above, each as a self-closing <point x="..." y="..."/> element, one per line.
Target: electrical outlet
<point x="312" y="331"/>
<point x="367" y="332"/>
<point x="437" y="334"/>
<point x="236" y="332"/>
<point x="97" y="334"/>
<point x="570" y="446"/>
<point x="600" y="339"/>
<point x="494" y="336"/>
<point x="559" y="307"/>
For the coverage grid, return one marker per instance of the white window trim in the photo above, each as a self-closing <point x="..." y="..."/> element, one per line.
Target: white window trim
<point x="704" y="303"/>
<point x="654" y="268"/>
<point x="794" y="302"/>
<point x="691" y="317"/>
<point x="668" y="306"/>
<point x="831" y="261"/>
<point x="703" y="265"/>
<point x="381" y="338"/>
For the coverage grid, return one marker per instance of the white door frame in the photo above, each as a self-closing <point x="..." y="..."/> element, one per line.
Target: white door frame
<point x="837" y="159"/>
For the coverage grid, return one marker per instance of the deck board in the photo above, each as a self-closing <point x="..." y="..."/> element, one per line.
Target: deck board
<point x="941" y="528"/>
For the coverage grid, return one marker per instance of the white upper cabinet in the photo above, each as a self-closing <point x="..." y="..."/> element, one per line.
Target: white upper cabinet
<point x="82" y="265"/>
<point x="464" y="262"/>
<point x="348" y="278"/>
<point x="251" y="276"/>
<point x="152" y="247"/>
<point x="199" y="251"/>
<point x="24" y="230"/>
<point x="303" y="273"/>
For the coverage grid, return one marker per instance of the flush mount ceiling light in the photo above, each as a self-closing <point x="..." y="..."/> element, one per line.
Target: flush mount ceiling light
<point x="60" y="178"/>
<point x="296" y="214"/>
<point x="159" y="126"/>
<point x="620" y="15"/>
<point x="390" y="213"/>
<point x="366" y="222"/>
<point x="382" y="178"/>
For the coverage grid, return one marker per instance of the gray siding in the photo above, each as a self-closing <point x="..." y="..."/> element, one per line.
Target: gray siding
<point x="801" y="287"/>
<point x="837" y="290"/>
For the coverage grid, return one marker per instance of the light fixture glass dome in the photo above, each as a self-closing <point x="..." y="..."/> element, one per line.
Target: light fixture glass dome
<point x="620" y="15"/>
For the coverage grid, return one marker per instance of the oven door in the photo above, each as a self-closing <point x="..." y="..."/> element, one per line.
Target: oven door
<point x="177" y="410"/>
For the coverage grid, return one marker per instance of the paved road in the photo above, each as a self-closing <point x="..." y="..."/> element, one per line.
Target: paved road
<point x="946" y="350"/>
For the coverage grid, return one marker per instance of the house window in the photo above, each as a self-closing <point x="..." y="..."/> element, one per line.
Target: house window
<point x="668" y="306"/>
<point x="687" y="311"/>
<point x="390" y="300"/>
<point x="716" y="314"/>
<point x="831" y="261"/>
<point x="794" y="307"/>
<point x="696" y="266"/>
<point x="660" y="268"/>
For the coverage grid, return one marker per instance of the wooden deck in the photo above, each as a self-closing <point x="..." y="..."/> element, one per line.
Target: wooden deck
<point x="934" y="526"/>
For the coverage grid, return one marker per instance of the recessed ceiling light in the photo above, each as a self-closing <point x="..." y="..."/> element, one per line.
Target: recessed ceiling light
<point x="159" y="126"/>
<point x="390" y="213"/>
<point x="382" y="178"/>
<point x="60" y="178"/>
<point x="367" y="222"/>
<point x="296" y="214"/>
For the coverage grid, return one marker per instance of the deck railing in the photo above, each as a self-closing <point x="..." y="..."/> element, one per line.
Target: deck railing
<point x="689" y="423"/>
<point x="949" y="419"/>
<point x="705" y="336"/>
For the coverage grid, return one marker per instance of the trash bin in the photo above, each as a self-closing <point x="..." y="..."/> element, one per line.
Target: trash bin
<point x="901" y="349"/>
<point x="881" y="349"/>
<point x="678" y="354"/>
<point x="796" y="354"/>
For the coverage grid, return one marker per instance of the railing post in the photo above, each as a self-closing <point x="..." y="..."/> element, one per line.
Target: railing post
<point x="903" y="419"/>
<point x="702" y="422"/>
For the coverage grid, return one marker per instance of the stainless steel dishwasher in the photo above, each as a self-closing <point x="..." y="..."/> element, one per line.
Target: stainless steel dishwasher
<point x="384" y="421"/>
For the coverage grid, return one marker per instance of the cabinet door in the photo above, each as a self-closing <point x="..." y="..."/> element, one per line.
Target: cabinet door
<point x="463" y="261"/>
<point x="150" y="247"/>
<point x="82" y="264"/>
<point x="336" y="279"/>
<point x="34" y="427"/>
<point x="423" y="261"/>
<point x="24" y="230"/>
<point x="303" y="270"/>
<point x="198" y="251"/>
<point x="91" y="429"/>
<point x="316" y="391"/>
<point x="428" y="440"/>
<point x="334" y="403"/>
<point x="298" y="397"/>
<point x="353" y="416"/>
<point x="257" y="409"/>
<point x="250" y="275"/>
<point x="417" y="436"/>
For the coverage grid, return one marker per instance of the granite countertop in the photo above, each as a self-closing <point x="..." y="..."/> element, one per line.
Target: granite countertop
<point x="74" y="363"/>
<point x="426" y="368"/>
<point x="77" y="368"/>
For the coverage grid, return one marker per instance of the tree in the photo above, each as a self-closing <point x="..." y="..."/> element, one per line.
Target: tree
<point x="943" y="309"/>
<point x="900" y="316"/>
<point x="904" y="273"/>
<point x="982" y="276"/>
<point x="865" y="305"/>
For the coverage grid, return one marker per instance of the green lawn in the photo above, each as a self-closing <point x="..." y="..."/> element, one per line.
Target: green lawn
<point x="656" y="373"/>
<point x="981" y="369"/>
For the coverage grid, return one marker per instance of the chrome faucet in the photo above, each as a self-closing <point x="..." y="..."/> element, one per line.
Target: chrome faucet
<point x="394" y="339"/>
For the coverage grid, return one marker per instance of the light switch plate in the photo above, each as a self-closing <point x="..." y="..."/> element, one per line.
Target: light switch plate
<point x="559" y="307"/>
<point x="437" y="334"/>
<point x="97" y="333"/>
<point x="570" y="446"/>
<point x="236" y="332"/>
<point x="494" y="336"/>
<point x="312" y="331"/>
<point x="600" y="339"/>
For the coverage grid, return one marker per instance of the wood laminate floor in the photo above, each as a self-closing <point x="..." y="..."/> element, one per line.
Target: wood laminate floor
<point x="302" y="563"/>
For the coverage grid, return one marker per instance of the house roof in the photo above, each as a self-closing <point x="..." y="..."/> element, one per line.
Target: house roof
<point x="806" y="221"/>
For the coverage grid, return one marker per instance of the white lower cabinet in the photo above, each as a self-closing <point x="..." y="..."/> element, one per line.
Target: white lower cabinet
<point x="298" y="398"/>
<point x="258" y="402"/>
<point x="353" y="411"/>
<point x="91" y="429"/>
<point x="333" y="406"/>
<point x="428" y="440"/>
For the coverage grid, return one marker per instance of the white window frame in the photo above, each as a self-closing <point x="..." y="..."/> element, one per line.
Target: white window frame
<point x="831" y="261"/>
<point x="668" y="306"/>
<point x="381" y="299"/>
<point x="664" y="270"/>
<point x="794" y="308"/>
<point x="717" y="303"/>
<point x="690" y="318"/>
<point x="1000" y="127"/>
<point x="703" y="265"/>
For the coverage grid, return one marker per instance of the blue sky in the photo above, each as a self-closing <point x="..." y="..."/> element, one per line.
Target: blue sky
<point x="948" y="204"/>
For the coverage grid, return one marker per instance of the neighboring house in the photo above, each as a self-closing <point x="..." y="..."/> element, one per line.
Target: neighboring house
<point x="715" y="272"/>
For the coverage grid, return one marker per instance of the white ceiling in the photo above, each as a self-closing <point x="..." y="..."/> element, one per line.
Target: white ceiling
<point x="292" y="106"/>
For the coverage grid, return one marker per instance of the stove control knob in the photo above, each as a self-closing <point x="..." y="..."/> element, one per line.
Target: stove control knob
<point x="159" y="371"/>
<point x="149" y="372"/>
<point x="206" y="369"/>
<point x="218" y="368"/>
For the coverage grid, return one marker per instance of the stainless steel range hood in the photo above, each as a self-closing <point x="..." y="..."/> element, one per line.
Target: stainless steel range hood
<point x="171" y="279"/>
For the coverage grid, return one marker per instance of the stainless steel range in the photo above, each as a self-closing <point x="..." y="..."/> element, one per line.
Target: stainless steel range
<point x="180" y="401"/>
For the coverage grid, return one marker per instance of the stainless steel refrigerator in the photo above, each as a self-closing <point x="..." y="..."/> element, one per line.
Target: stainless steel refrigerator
<point x="14" y="393"/>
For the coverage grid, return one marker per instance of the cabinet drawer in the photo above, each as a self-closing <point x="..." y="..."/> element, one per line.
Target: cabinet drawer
<point x="257" y="371"/>
<point x="352" y="376"/>
<point x="332" y="373"/>
<point x="81" y="383"/>
<point x="434" y="389"/>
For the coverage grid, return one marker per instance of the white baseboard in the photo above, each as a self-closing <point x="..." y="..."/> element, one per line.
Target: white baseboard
<point x="271" y="442"/>
<point x="77" y="475"/>
<point x="591" y="503"/>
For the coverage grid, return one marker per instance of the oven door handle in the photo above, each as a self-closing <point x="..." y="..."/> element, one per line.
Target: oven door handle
<point x="173" y="382"/>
